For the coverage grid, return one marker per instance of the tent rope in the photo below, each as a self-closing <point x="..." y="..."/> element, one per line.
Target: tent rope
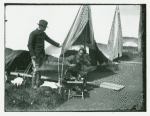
<point x="62" y="68"/>
<point x="58" y="71"/>
<point x="8" y="64"/>
<point x="7" y="58"/>
<point x="11" y="59"/>
<point x="60" y="79"/>
<point x="27" y="69"/>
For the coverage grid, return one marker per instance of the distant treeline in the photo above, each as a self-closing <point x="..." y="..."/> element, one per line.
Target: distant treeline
<point x="130" y="49"/>
<point x="130" y="39"/>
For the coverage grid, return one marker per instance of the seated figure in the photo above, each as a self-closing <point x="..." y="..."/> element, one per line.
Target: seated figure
<point x="76" y="63"/>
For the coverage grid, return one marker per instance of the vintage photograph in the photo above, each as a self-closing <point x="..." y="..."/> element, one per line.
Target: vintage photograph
<point x="74" y="57"/>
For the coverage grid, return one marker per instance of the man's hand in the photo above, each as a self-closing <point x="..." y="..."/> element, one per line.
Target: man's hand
<point x="60" y="46"/>
<point x="33" y="57"/>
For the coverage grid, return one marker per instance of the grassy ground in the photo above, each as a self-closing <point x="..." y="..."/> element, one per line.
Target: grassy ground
<point x="24" y="98"/>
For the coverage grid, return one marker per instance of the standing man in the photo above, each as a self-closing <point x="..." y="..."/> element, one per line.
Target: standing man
<point x="36" y="49"/>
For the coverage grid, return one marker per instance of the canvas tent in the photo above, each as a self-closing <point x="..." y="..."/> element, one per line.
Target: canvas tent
<point x="103" y="16"/>
<point x="82" y="32"/>
<point x="115" y="42"/>
<point x="111" y="32"/>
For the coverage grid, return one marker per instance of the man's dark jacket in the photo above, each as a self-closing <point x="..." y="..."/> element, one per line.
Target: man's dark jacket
<point x="36" y="42"/>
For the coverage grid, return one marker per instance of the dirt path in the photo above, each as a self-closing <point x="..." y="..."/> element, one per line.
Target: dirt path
<point x="102" y="99"/>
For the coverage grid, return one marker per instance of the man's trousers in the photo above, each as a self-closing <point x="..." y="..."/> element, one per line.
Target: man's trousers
<point x="36" y="74"/>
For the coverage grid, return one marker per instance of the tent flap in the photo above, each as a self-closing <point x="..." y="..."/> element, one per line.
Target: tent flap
<point x="115" y="44"/>
<point x="81" y="31"/>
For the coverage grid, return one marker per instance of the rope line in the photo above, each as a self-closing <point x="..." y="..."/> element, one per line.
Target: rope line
<point x="62" y="68"/>
<point x="27" y="69"/>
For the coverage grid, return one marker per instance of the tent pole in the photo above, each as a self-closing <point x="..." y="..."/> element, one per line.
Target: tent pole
<point x="61" y="75"/>
<point x="85" y="36"/>
<point x="58" y="70"/>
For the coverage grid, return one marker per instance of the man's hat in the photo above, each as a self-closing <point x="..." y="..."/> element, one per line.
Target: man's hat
<point x="43" y="22"/>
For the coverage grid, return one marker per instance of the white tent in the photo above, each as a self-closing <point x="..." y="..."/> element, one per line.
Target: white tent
<point x="108" y="30"/>
<point x="65" y="26"/>
<point x="23" y="19"/>
<point x="83" y="17"/>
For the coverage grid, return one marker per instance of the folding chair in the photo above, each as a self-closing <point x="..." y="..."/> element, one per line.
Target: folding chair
<point x="75" y="82"/>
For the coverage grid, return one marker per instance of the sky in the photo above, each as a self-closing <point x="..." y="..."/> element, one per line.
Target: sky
<point x="21" y="20"/>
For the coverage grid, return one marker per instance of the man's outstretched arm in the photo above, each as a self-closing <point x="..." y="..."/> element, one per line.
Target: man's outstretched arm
<point x="49" y="40"/>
